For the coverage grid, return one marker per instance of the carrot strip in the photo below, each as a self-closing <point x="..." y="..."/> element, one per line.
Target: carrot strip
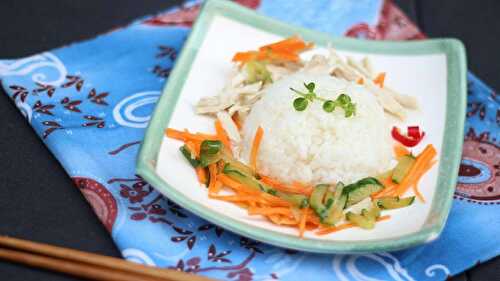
<point x="417" y="170"/>
<point x="245" y="56"/>
<point x="217" y="187"/>
<point x="195" y="149"/>
<point x="234" y="198"/>
<point x="269" y="199"/>
<point x="285" y="56"/>
<point x="285" y="188"/>
<point x="302" y="223"/>
<point x="270" y="211"/>
<point x="212" y="169"/>
<point x="292" y="44"/>
<point x="360" y="81"/>
<point x="255" y="148"/>
<point x="306" y="189"/>
<point x="222" y="135"/>
<point x="418" y="194"/>
<point x="202" y="175"/>
<point x="400" y="150"/>
<point x="379" y="80"/>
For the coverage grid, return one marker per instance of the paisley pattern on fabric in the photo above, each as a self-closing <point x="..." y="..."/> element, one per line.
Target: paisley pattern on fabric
<point x="90" y="103"/>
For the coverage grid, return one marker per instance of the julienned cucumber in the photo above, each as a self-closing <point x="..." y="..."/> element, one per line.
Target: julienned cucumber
<point x="372" y="213"/>
<point x="404" y="165"/>
<point x="189" y="155"/>
<point x="387" y="203"/>
<point x="234" y="173"/>
<point x="361" y="189"/>
<point x="360" y="220"/>
<point x="297" y="200"/>
<point x="239" y="176"/>
<point x="316" y="200"/>
<point x="210" y="152"/>
<point x="335" y="212"/>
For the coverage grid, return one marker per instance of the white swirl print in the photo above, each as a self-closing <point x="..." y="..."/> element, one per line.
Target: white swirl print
<point x="137" y="256"/>
<point x="25" y="109"/>
<point x="40" y="66"/>
<point x="431" y="270"/>
<point x="346" y="269"/>
<point x="123" y="113"/>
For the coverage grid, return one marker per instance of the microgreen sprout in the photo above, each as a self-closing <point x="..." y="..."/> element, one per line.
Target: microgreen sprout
<point x="343" y="101"/>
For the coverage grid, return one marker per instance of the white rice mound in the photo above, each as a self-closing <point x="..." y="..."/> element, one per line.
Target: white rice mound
<point x="313" y="146"/>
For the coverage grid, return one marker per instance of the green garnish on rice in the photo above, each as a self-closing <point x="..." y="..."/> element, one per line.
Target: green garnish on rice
<point x="343" y="101"/>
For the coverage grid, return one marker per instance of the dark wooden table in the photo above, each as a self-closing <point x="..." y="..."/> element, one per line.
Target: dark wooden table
<point x="38" y="200"/>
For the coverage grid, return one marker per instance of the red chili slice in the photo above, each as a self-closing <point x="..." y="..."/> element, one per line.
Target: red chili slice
<point x="411" y="140"/>
<point x="414" y="132"/>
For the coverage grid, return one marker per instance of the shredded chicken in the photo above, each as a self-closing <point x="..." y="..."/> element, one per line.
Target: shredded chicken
<point x="238" y="97"/>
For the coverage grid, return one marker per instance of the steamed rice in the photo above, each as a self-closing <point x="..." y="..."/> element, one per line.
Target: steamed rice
<point x="313" y="146"/>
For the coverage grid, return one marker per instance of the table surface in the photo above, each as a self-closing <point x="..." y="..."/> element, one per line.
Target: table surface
<point x="39" y="201"/>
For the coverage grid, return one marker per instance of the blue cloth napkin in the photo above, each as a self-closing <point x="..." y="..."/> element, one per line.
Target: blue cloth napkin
<point x="90" y="103"/>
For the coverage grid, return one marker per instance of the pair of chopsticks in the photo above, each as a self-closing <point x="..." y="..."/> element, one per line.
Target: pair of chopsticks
<point x="84" y="264"/>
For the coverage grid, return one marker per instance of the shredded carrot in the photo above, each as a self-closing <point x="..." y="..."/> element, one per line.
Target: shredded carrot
<point x="286" y="188"/>
<point x="307" y="190"/>
<point x="218" y="187"/>
<point x="417" y="170"/>
<point x="286" y="50"/>
<point x="284" y="44"/>
<point x="195" y="149"/>
<point x="255" y="148"/>
<point x="281" y="220"/>
<point x="222" y="135"/>
<point x="202" y="175"/>
<point x="234" y="198"/>
<point x="360" y="81"/>
<point x="212" y="169"/>
<point x="302" y="223"/>
<point x="379" y="80"/>
<point x="245" y="56"/>
<point x="288" y="221"/>
<point x="269" y="199"/>
<point x="270" y="211"/>
<point x="418" y="194"/>
<point x="284" y="56"/>
<point x="332" y="229"/>
<point x="400" y="150"/>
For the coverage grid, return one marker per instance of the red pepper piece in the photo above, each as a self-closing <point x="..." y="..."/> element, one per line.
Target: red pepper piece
<point x="414" y="132"/>
<point x="410" y="140"/>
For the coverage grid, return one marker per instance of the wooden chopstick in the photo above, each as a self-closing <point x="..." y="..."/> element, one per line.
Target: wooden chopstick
<point x="84" y="264"/>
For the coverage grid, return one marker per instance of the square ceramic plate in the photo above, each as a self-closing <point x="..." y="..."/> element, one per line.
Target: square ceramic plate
<point x="432" y="70"/>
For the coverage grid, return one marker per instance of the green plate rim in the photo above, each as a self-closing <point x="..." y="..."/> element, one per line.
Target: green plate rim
<point x="452" y="138"/>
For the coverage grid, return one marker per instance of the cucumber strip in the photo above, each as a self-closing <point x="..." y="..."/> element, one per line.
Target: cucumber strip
<point x="237" y="165"/>
<point x="189" y="156"/>
<point x="335" y="213"/>
<point x="388" y="203"/>
<point x="316" y="200"/>
<point x="210" y="152"/>
<point x="360" y="220"/>
<point x="234" y="173"/>
<point x="373" y="212"/>
<point x="360" y="190"/>
<point x="404" y="165"/>
<point x="242" y="178"/>
<point x="299" y="201"/>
